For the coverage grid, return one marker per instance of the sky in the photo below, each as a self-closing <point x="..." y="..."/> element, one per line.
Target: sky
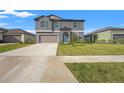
<point x="94" y="19"/>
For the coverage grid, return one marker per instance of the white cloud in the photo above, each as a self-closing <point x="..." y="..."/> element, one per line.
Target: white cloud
<point x="31" y="31"/>
<point x="18" y="14"/>
<point x="2" y="16"/>
<point x="3" y="24"/>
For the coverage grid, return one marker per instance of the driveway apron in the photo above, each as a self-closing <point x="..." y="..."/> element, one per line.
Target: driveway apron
<point x="33" y="64"/>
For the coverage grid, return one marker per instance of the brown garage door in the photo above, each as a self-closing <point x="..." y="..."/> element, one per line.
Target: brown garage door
<point x="48" y="39"/>
<point x="12" y="38"/>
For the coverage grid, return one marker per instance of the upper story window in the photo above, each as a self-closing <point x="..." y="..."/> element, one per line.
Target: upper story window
<point x="76" y="25"/>
<point x="44" y="23"/>
<point x="56" y="24"/>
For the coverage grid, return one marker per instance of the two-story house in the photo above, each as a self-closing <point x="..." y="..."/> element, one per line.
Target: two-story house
<point x="54" y="29"/>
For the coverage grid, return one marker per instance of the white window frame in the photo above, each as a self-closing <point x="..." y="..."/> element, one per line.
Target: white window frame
<point x="56" y="25"/>
<point x="77" y="24"/>
<point x="45" y="24"/>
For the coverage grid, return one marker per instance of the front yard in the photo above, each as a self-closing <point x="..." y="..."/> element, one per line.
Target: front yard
<point x="90" y="49"/>
<point x="97" y="72"/>
<point x="4" y="48"/>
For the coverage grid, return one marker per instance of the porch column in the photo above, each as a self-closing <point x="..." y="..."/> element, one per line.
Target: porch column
<point x="69" y="34"/>
<point x="23" y="40"/>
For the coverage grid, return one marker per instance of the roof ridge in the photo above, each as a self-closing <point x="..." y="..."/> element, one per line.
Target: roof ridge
<point x="104" y="29"/>
<point x="19" y="29"/>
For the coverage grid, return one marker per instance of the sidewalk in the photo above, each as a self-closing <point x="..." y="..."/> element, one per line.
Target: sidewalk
<point x="80" y="59"/>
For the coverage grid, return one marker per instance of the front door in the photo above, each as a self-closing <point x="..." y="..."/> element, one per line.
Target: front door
<point x="65" y="37"/>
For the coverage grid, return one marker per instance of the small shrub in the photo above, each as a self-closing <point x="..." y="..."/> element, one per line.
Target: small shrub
<point x="120" y="41"/>
<point x="112" y="41"/>
<point x="21" y="42"/>
<point x="61" y="43"/>
<point x="30" y="41"/>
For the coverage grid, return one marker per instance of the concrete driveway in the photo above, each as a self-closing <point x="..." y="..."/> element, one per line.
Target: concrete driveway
<point x="41" y="49"/>
<point x="34" y="64"/>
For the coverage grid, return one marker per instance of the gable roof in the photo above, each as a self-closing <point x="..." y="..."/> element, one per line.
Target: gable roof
<point x="68" y="20"/>
<point x="105" y="29"/>
<point x="18" y="31"/>
<point x="49" y="16"/>
<point x="60" y="19"/>
<point x="54" y="15"/>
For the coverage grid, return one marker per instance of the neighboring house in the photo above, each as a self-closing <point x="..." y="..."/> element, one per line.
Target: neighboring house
<point x="16" y="35"/>
<point x="107" y="34"/>
<point x="53" y="29"/>
<point x="2" y="30"/>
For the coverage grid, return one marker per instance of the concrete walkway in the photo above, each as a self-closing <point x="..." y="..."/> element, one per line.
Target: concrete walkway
<point x="33" y="64"/>
<point x="57" y="72"/>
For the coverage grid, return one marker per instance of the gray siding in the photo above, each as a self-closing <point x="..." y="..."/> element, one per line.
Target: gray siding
<point x="62" y="24"/>
<point x="69" y="24"/>
<point x="38" y="24"/>
<point x="52" y="30"/>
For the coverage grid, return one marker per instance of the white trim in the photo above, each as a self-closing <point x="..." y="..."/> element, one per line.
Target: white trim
<point x="77" y="31"/>
<point x="23" y="38"/>
<point x="69" y="30"/>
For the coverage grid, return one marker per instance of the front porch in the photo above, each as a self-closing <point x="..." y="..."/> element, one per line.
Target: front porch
<point x="67" y="35"/>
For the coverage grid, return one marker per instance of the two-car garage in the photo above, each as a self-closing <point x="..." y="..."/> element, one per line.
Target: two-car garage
<point x="118" y="36"/>
<point x="48" y="38"/>
<point x="12" y="38"/>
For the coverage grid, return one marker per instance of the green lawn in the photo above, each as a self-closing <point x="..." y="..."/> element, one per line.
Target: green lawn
<point x="91" y="49"/>
<point x="98" y="72"/>
<point x="4" y="48"/>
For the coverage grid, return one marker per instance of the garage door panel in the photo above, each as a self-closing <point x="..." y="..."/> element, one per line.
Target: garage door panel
<point x="12" y="38"/>
<point x="118" y="36"/>
<point x="48" y="39"/>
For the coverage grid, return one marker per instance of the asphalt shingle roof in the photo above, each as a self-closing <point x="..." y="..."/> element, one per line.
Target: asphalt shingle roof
<point x="105" y="29"/>
<point x="18" y="31"/>
<point x="60" y="19"/>
<point x="3" y="29"/>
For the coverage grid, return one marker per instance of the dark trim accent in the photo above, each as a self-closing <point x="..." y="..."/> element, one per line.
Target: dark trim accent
<point x="68" y="20"/>
<point x="61" y="19"/>
<point x="65" y="28"/>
